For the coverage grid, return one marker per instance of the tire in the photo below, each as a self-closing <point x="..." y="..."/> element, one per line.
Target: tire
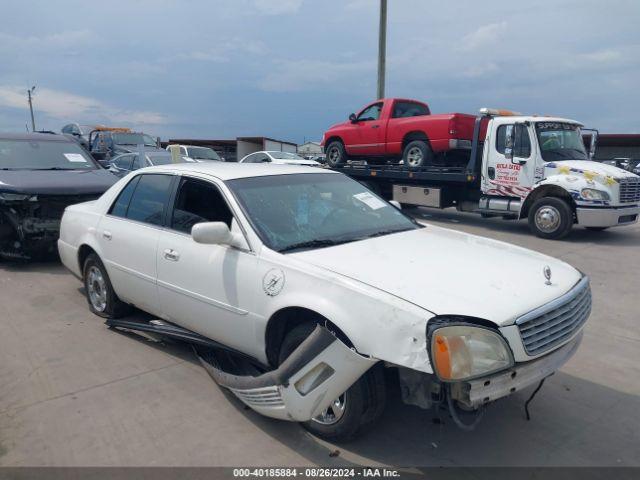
<point x="101" y="297"/>
<point x="596" y="229"/>
<point x="550" y="218"/>
<point x="417" y="154"/>
<point x="360" y="406"/>
<point x="336" y="155"/>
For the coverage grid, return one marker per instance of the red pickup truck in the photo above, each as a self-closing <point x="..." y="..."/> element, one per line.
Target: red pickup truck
<point x="394" y="128"/>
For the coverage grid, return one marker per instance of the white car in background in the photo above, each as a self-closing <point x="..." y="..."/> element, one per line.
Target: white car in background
<point x="278" y="158"/>
<point x="195" y="153"/>
<point x="313" y="285"/>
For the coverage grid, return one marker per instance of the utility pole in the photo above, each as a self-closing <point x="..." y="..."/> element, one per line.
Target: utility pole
<point x="382" y="47"/>
<point x="33" y="122"/>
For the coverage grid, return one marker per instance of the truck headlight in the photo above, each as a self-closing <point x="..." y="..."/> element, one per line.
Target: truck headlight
<point x="593" y="194"/>
<point x="463" y="352"/>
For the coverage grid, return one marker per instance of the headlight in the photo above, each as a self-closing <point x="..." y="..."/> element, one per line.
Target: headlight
<point x="462" y="352"/>
<point x="593" y="194"/>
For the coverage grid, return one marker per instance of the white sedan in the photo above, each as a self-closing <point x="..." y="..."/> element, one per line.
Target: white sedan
<point x="278" y="158"/>
<point x="314" y="285"/>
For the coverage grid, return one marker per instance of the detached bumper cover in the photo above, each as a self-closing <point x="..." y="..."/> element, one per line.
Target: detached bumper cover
<point x="320" y="370"/>
<point x="483" y="390"/>
<point x="607" y="217"/>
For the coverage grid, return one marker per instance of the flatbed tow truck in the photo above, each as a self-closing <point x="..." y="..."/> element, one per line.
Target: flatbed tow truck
<point x="526" y="167"/>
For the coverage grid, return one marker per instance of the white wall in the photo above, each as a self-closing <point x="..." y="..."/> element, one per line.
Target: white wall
<point x="245" y="148"/>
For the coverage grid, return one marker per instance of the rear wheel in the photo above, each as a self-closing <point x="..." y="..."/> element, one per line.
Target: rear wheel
<point x="550" y="218"/>
<point x="335" y="153"/>
<point x="355" y="409"/>
<point x="102" y="299"/>
<point x="417" y="154"/>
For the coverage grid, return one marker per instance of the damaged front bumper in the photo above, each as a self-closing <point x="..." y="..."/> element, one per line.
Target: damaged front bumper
<point x="320" y="370"/>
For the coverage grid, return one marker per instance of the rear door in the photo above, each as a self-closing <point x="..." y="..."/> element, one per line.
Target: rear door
<point x="206" y="288"/>
<point x="128" y="237"/>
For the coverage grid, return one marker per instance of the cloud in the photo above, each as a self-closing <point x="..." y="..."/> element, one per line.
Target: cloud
<point x="33" y="43"/>
<point x="225" y="51"/>
<point x="303" y="75"/>
<point x="601" y="56"/>
<point x="67" y="106"/>
<point x="483" y="36"/>
<point x="277" y="7"/>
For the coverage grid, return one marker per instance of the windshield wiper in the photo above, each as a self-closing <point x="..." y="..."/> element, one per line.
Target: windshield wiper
<point x="314" y="244"/>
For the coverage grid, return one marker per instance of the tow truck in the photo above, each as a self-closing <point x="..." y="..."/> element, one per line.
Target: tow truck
<point x="533" y="167"/>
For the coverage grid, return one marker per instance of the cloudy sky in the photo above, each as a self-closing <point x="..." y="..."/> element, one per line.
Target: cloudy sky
<point x="290" y="68"/>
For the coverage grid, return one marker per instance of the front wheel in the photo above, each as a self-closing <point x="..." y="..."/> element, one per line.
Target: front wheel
<point x="550" y="218"/>
<point x="355" y="409"/>
<point x="336" y="155"/>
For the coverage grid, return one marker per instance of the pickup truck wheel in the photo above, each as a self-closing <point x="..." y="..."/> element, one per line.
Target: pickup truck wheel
<point x="336" y="154"/>
<point x="550" y="218"/>
<point x="356" y="408"/>
<point x="102" y="299"/>
<point x="417" y="154"/>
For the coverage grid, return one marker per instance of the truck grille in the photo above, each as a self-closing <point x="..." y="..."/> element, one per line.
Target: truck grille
<point x="629" y="190"/>
<point x="552" y="324"/>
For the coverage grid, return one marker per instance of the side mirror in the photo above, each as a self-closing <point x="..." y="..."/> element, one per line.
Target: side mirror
<point x="217" y="233"/>
<point x="353" y="118"/>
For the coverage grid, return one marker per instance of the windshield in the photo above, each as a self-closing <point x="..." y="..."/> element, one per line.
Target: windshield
<point x="43" y="155"/>
<point x="160" y="159"/>
<point x="133" y="139"/>
<point x="560" y="141"/>
<point x="202" y="153"/>
<point x="312" y="210"/>
<point x="285" y="156"/>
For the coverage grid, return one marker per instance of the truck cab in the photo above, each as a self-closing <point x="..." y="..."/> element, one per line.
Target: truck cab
<point x="538" y="168"/>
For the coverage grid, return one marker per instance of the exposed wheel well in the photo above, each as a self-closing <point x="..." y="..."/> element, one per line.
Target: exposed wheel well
<point x="332" y="139"/>
<point x="286" y="319"/>
<point x="546" y="191"/>
<point x="415" y="135"/>
<point x="83" y="252"/>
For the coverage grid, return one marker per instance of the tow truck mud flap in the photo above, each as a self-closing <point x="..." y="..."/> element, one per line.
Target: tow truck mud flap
<point x="315" y="374"/>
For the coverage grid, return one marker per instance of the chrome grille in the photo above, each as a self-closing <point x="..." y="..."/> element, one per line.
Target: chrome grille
<point x="629" y="190"/>
<point x="260" y="397"/>
<point x="552" y="324"/>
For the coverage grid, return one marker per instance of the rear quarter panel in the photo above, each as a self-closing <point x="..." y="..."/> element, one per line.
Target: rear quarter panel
<point x="77" y="228"/>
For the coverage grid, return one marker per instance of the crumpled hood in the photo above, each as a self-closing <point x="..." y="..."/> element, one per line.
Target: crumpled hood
<point x="56" y="182"/>
<point x="449" y="272"/>
<point x="581" y="166"/>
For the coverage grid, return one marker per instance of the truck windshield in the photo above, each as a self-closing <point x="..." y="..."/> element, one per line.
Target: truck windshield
<point x="133" y="139"/>
<point x="43" y="155"/>
<point x="560" y="141"/>
<point x="315" y="210"/>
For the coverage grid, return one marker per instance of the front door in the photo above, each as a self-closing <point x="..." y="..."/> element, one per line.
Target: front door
<point x="205" y="288"/>
<point x="128" y="237"/>
<point x="508" y="177"/>
<point x="366" y="134"/>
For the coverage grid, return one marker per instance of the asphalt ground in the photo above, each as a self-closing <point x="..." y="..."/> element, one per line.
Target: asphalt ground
<point x="75" y="393"/>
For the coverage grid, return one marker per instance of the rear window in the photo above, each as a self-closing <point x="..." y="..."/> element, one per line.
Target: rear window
<point x="144" y="201"/>
<point x="409" y="109"/>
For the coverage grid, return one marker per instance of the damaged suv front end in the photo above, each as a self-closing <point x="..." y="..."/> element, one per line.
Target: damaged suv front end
<point x="40" y="175"/>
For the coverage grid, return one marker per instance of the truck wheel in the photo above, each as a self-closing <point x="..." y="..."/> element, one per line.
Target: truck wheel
<point x="417" y="154"/>
<point x="355" y="409"/>
<point x="336" y="154"/>
<point x="102" y="299"/>
<point x="550" y="218"/>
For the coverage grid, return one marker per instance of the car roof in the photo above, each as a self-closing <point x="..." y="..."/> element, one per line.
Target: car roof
<point x="40" y="137"/>
<point x="231" y="171"/>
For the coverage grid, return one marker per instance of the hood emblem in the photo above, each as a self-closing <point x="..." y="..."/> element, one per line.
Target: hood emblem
<point x="273" y="282"/>
<point x="547" y="274"/>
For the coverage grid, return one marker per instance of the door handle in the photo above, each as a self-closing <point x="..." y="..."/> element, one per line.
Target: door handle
<point x="106" y="234"/>
<point x="492" y="173"/>
<point x="375" y="126"/>
<point x="171" y="254"/>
